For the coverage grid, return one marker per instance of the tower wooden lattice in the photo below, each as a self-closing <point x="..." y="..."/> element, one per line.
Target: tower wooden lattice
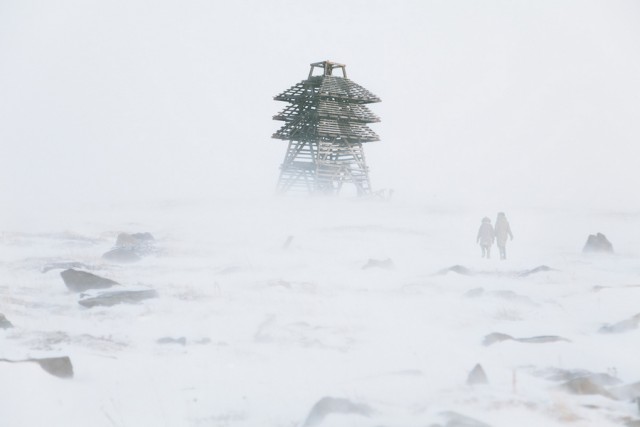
<point x="326" y="125"/>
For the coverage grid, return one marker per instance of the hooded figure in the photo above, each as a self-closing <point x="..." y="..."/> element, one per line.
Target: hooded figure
<point x="503" y="230"/>
<point x="485" y="237"/>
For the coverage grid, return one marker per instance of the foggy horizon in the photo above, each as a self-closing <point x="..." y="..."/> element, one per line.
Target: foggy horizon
<point x="492" y="103"/>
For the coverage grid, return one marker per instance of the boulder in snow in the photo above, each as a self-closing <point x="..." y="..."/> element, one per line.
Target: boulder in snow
<point x="477" y="376"/>
<point x="60" y="367"/>
<point x="81" y="281"/>
<point x="130" y="247"/>
<point x="496" y="337"/>
<point x="126" y="240"/>
<point x="597" y="243"/>
<point x="114" y="297"/>
<point x="4" y="322"/>
<point x="171" y="340"/>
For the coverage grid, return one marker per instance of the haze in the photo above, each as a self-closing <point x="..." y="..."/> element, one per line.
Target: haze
<point x="511" y="103"/>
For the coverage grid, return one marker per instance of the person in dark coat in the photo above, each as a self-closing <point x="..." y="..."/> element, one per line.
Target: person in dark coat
<point x="502" y="231"/>
<point x="486" y="236"/>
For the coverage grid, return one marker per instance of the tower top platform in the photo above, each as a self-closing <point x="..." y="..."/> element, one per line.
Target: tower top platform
<point x="327" y="68"/>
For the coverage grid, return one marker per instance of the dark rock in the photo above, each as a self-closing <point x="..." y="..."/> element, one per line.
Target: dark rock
<point x="122" y="255"/>
<point x="477" y="376"/>
<point x="385" y="264"/>
<point x="4" y="322"/>
<point x="130" y="247"/>
<point x="496" y="337"/>
<point x="81" y="281"/>
<point x="597" y="243"/>
<point x="57" y="366"/>
<point x="333" y="405"/>
<point x="622" y="326"/>
<point x="60" y="367"/>
<point x="499" y="337"/>
<point x="170" y="340"/>
<point x="109" y="298"/>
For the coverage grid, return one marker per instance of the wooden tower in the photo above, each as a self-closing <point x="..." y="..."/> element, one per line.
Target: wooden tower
<point x="326" y="125"/>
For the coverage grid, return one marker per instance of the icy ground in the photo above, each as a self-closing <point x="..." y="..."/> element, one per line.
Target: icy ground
<point x="265" y="329"/>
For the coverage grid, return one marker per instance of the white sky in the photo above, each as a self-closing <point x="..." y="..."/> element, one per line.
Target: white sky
<point x="496" y="103"/>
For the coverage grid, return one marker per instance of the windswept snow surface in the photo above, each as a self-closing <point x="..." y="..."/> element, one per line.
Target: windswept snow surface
<point x="264" y="332"/>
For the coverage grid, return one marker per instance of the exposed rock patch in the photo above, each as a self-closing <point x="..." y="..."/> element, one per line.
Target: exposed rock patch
<point x="81" y="281"/>
<point x="477" y="376"/>
<point x="496" y="337"/>
<point x="109" y="298"/>
<point x="130" y="247"/>
<point x="539" y="269"/>
<point x="597" y="243"/>
<point x="4" y="322"/>
<point x="60" y="367"/>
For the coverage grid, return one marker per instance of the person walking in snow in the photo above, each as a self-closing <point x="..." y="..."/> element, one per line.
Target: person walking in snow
<point x="502" y="231"/>
<point x="485" y="237"/>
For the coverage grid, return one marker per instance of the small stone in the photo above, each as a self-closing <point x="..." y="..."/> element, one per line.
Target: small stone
<point x="597" y="243"/>
<point x="477" y="376"/>
<point x="110" y="298"/>
<point x="4" y="322"/>
<point x="496" y="337"/>
<point x="539" y="269"/>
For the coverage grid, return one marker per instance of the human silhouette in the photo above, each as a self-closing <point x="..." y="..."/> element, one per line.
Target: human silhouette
<point x="502" y="231"/>
<point x="485" y="237"/>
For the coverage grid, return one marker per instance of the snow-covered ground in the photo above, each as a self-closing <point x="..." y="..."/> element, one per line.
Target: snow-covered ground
<point x="271" y="328"/>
